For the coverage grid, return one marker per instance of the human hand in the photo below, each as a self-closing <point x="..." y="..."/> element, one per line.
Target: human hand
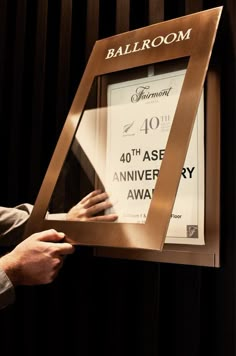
<point x="37" y="259"/>
<point x="92" y="204"/>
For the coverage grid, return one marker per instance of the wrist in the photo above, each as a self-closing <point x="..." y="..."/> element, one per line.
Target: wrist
<point x="8" y="265"/>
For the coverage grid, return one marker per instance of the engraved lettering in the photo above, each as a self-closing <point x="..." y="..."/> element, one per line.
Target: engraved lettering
<point x="149" y="43"/>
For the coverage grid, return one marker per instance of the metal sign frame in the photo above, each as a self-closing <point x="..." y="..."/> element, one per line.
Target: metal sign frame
<point x="190" y="37"/>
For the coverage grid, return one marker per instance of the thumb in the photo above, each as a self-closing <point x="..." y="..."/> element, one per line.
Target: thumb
<point x="50" y="235"/>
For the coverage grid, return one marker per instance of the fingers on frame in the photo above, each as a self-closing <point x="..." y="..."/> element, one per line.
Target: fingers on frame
<point x="91" y="195"/>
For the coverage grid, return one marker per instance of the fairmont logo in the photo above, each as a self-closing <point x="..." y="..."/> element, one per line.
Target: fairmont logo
<point x="148" y="44"/>
<point x="142" y="93"/>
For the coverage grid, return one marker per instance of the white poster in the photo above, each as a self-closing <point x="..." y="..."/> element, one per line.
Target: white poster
<point x="140" y="115"/>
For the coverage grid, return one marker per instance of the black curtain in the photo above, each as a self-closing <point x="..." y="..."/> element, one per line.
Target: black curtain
<point x="101" y="305"/>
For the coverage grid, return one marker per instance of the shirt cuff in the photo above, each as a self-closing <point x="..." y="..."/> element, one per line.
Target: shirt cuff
<point x="56" y="216"/>
<point x="7" y="290"/>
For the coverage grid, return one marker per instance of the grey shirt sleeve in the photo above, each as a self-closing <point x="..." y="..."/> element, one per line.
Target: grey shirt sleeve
<point x="7" y="291"/>
<point x="12" y="223"/>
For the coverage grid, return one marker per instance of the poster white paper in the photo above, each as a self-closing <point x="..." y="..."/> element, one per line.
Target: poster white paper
<point x="139" y="119"/>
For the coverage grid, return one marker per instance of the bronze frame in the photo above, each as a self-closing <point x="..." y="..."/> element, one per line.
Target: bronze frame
<point x="139" y="239"/>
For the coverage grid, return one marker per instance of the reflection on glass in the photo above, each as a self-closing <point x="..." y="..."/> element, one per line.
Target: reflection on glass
<point x="118" y="146"/>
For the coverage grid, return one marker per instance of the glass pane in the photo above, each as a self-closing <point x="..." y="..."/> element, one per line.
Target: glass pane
<point x="120" y="141"/>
